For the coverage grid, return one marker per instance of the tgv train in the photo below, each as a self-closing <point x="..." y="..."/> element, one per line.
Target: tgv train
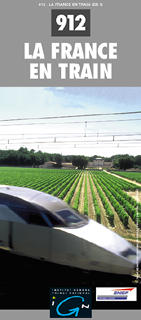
<point x="41" y="226"/>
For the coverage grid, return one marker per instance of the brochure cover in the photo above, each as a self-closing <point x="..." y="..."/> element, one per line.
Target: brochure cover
<point x="70" y="159"/>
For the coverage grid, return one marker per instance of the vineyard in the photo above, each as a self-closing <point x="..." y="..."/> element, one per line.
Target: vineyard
<point x="103" y="197"/>
<point x="135" y="176"/>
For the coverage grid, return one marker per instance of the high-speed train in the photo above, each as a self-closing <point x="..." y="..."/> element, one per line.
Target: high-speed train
<point x="41" y="226"/>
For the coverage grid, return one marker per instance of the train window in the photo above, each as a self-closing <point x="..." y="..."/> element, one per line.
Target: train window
<point x="53" y="219"/>
<point x="36" y="218"/>
<point x="68" y="216"/>
<point x="71" y="218"/>
<point x="22" y="208"/>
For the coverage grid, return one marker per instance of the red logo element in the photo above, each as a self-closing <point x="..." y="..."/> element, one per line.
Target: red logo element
<point x="129" y="289"/>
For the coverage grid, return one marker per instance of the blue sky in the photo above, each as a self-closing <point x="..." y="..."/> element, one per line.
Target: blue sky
<point x="26" y="101"/>
<point x="41" y="102"/>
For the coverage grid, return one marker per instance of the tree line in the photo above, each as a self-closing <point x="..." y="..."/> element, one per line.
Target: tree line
<point x="31" y="158"/>
<point x="126" y="161"/>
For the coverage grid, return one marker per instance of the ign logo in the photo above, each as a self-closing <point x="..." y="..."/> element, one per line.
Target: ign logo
<point x="70" y="302"/>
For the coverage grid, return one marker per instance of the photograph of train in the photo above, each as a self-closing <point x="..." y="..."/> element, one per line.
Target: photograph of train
<point x="44" y="227"/>
<point x="70" y="192"/>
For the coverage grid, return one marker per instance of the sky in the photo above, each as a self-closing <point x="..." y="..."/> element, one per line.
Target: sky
<point x="88" y="135"/>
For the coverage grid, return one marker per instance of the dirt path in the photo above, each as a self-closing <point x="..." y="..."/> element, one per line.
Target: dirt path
<point x="90" y="201"/>
<point x="104" y="219"/>
<point x="76" y="190"/>
<point x="81" y="201"/>
<point x="131" y="181"/>
<point x="136" y="195"/>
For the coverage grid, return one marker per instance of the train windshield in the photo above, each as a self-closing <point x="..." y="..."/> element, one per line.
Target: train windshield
<point x="71" y="218"/>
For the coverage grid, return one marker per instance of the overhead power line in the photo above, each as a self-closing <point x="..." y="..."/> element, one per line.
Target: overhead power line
<point x="71" y="116"/>
<point x="55" y="137"/>
<point x="66" y="135"/>
<point x="55" y="141"/>
<point x="74" y="145"/>
<point x="64" y="123"/>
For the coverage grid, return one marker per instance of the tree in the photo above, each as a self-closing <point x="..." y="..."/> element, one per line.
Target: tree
<point x="126" y="162"/>
<point x="138" y="160"/>
<point x="58" y="159"/>
<point x="39" y="158"/>
<point x="80" y="162"/>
